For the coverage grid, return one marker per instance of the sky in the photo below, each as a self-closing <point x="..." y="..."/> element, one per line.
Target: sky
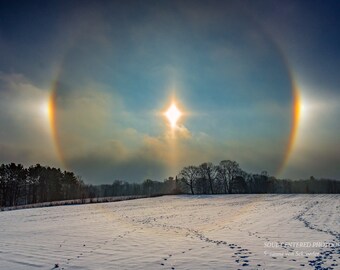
<point x="85" y="85"/>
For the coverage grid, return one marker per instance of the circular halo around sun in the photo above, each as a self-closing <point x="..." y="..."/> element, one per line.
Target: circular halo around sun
<point x="233" y="80"/>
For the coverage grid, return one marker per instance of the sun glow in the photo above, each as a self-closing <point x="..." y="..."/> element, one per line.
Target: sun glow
<point x="44" y="109"/>
<point x="173" y="114"/>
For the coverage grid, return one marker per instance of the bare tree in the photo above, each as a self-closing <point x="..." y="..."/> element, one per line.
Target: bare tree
<point x="188" y="176"/>
<point x="208" y="172"/>
<point x="222" y="175"/>
<point x="227" y="170"/>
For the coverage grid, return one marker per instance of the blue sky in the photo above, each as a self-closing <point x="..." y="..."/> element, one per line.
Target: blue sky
<point x="228" y="64"/>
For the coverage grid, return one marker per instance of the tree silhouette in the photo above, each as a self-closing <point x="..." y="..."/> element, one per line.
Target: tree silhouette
<point x="227" y="171"/>
<point x="208" y="174"/>
<point x="188" y="176"/>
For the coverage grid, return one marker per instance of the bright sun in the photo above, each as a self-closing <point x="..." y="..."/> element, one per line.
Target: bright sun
<point x="173" y="114"/>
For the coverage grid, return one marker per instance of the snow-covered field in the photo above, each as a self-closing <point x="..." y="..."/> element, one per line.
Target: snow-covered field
<point x="177" y="232"/>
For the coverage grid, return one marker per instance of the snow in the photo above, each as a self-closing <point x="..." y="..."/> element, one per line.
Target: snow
<point x="177" y="232"/>
<point x="74" y="201"/>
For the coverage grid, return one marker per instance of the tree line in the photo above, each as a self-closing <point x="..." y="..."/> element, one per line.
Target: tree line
<point x="38" y="184"/>
<point x="227" y="177"/>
